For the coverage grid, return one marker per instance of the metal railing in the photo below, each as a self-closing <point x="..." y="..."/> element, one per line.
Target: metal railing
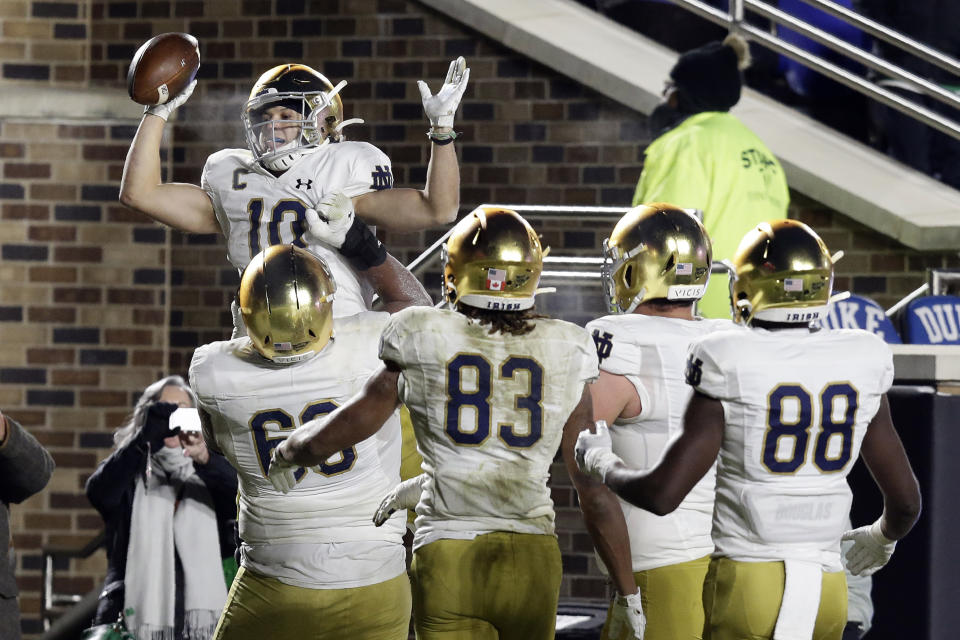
<point x="576" y="267"/>
<point x="53" y="603"/>
<point x="533" y="212"/>
<point x="939" y="282"/>
<point x="561" y="267"/>
<point x="734" y="20"/>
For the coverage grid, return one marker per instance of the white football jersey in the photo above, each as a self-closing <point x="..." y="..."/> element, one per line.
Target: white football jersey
<point x="651" y="352"/>
<point x="796" y="405"/>
<point x="321" y="533"/>
<point x="256" y="209"/>
<point x="488" y="411"/>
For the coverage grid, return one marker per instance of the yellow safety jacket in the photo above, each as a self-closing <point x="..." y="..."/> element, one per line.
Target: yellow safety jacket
<point x="714" y="163"/>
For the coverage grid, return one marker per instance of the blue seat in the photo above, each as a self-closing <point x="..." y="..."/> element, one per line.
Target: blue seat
<point x="933" y="320"/>
<point x="858" y="312"/>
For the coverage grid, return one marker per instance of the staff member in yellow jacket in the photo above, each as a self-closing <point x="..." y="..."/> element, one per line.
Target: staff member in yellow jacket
<point x="706" y="159"/>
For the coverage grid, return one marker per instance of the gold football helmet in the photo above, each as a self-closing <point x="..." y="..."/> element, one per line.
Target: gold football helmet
<point x="782" y="273"/>
<point x="656" y="251"/>
<point x="286" y="301"/>
<point x="492" y="260"/>
<point x="306" y="91"/>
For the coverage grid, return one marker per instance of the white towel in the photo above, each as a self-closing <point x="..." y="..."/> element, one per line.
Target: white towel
<point x="801" y="600"/>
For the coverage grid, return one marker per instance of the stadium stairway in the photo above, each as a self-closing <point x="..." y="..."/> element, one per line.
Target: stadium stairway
<point x="623" y="65"/>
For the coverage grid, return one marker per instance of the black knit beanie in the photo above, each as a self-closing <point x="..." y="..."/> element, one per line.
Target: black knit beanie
<point x="708" y="78"/>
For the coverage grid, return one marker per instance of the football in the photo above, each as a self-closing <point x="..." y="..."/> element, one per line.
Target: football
<point x="162" y="67"/>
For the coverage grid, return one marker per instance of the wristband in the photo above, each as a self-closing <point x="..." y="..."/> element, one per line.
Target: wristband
<point x="443" y="138"/>
<point x="361" y="247"/>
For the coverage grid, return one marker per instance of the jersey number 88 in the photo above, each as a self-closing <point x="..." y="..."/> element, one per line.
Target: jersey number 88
<point x="799" y="430"/>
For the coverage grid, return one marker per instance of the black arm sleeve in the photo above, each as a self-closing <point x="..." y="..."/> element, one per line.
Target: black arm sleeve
<point x="362" y="248"/>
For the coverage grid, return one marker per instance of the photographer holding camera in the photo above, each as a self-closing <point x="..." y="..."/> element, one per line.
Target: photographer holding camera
<point x="168" y="506"/>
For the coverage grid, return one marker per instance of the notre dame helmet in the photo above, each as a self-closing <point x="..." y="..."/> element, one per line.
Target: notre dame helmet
<point x="286" y="301"/>
<point x="306" y="91"/>
<point x="656" y="251"/>
<point x="492" y="260"/>
<point x="782" y="273"/>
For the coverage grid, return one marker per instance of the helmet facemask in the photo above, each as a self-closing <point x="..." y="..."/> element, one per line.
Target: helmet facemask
<point x="278" y="143"/>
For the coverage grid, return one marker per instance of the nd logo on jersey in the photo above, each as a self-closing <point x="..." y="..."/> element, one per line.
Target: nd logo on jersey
<point x="604" y="343"/>
<point x="382" y="178"/>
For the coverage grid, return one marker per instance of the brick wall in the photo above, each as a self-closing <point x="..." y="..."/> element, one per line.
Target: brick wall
<point x="96" y="302"/>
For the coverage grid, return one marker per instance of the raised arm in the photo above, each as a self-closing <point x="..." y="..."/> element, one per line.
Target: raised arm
<point x="403" y="209"/>
<point x="185" y="207"/>
<point x="439" y="201"/>
<point x="114" y="476"/>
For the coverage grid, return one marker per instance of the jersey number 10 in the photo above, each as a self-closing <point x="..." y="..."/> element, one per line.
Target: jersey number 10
<point x="277" y="215"/>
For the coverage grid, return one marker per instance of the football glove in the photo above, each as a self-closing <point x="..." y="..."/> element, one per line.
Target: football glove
<point x="405" y="495"/>
<point x="164" y="110"/>
<point x="594" y="453"/>
<point x="331" y="220"/>
<point x="870" y="551"/>
<point x="282" y="472"/>
<point x="626" y="617"/>
<point x="335" y="223"/>
<point x="441" y="107"/>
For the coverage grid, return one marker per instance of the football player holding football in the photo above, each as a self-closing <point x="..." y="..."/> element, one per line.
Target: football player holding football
<point x="312" y="562"/>
<point x="300" y="181"/>
<point x="492" y="388"/>
<point x="788" y="408"/>
<point x="657" y="265"/>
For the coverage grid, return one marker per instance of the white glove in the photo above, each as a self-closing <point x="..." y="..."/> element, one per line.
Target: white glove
<point x="331" y="220"/>
<point x="593" y="452"/>
<point x="405" y="495"/>
<point x="441" y="107"/>
<point x="870" y="551"/>
<point x="164" y="110"/>
<point x="281" y="474"/>
<point x="626" y="617"/>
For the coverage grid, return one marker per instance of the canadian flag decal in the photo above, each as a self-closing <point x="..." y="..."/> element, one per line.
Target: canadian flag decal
<point x="495" y="278"/>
